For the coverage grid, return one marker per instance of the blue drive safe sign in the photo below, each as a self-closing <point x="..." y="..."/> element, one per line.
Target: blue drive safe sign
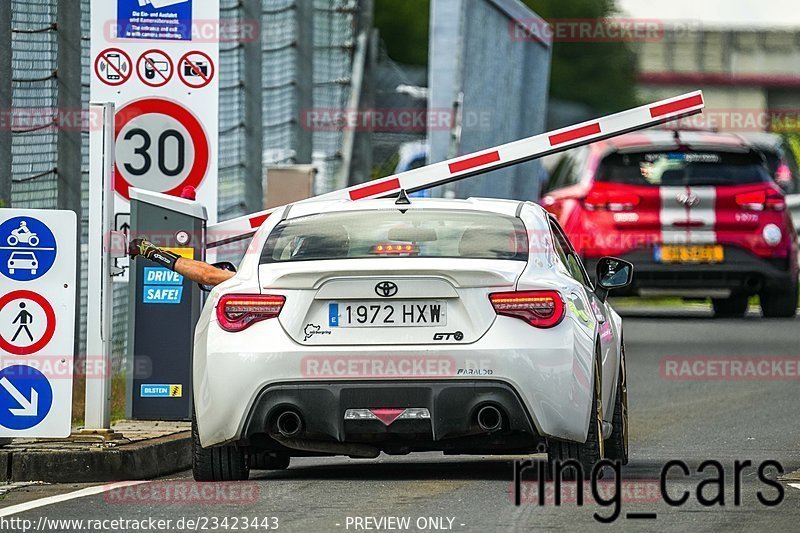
<point x="164" y="20"/>
<point x="162" y="286"/>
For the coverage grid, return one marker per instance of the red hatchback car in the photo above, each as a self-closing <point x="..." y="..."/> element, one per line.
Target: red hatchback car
<point x="697" y="213"/>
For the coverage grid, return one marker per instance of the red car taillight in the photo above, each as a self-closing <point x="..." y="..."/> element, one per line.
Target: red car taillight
<point x="611" y="201"/>
<point x="761" y="200"/>
<point x="542" y="309"/>
<point x="236" y="312"/>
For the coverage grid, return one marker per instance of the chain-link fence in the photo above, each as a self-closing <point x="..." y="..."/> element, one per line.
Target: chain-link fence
<point x="35" y="91"/>
<point x="306" y="50"/>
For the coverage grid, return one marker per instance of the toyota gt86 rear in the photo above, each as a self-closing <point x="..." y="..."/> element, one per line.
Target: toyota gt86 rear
<point x="355" y="328"/>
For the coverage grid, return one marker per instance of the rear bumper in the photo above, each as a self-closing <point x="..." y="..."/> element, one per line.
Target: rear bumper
<point x="545" y="374"/>
<point x="453" y="406"/>
<point x="742" y="273"/>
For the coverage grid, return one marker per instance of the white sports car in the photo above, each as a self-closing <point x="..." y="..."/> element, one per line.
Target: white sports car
<point x="461" y="326"/>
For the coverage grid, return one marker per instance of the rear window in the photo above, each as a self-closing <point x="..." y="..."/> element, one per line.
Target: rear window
<point x="390" y="233"/>
<point x="683" y="168"/>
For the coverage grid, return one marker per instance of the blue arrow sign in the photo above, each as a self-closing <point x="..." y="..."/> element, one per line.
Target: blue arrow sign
<point x="27" y="248"/>
<point x="26" y="397"/>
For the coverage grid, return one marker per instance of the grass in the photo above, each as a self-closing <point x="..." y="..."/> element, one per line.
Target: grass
<point x="79" y="399"/>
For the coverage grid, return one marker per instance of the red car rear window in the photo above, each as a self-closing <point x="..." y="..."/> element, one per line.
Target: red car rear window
<point x="683" y="168"/>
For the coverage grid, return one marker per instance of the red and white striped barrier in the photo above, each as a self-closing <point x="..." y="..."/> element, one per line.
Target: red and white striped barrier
<point x="486" y="160"/>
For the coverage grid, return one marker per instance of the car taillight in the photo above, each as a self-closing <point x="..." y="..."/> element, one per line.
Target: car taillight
<point x="236" y="312"/>
<point x="542" y="309"/>
<point x="616" y="202"/>
<point x="761" y="200"/>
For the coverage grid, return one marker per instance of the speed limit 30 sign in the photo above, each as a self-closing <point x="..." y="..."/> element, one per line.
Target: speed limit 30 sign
<point x="160" y="146"/>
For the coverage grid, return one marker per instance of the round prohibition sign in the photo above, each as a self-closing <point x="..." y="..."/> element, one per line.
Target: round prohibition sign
<point x="196" y="69"/>
<point x="155" y="68"/>
<point x="152" y="145"/>
<point x="50" y="327"/>
<point x="113" y="66"/>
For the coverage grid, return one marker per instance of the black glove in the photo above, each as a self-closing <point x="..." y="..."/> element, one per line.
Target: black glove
<point x="150" y="251"/>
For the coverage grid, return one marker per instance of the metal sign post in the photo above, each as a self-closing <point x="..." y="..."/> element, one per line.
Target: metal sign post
<point x="99" y="291"/>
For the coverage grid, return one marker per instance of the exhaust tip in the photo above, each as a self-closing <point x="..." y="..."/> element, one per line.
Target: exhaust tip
<point x="489" y="418"/>
<point x="289" y="424"/>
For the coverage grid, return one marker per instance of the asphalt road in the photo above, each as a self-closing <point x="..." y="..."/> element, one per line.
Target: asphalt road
<point x="692" y="421"/>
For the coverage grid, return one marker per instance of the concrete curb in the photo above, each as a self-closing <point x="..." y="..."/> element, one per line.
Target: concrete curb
<point x="144" y="459"/>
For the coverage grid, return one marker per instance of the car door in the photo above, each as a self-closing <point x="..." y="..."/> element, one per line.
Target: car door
<point x="599" y="312"/>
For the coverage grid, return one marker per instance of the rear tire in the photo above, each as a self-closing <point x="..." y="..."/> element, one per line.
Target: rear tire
<point x="587" y="454"/>
<point x="733" y="307"/>
<point x="617" y="443"/>
<point x="269" y="461"/>
<point x="220" y="463"/>
<point x="779" y="304"/>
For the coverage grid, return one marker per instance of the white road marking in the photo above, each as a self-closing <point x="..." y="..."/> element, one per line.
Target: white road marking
<point x="795" y="485"/>
<point x="89" y="491"/>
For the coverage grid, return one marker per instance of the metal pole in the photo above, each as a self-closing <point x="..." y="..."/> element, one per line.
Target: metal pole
<point x="68" y="162"/>
<point x="254" y="111"/>
<point x="444" y="72"/>
<point x="5" y="107"/>
<point x="304" y="81"/>
<point x="99" y="290"/>
<point x="360" y="163"/>
<point x="353" y="105"/>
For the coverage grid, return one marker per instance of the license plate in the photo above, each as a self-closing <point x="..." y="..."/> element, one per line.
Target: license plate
<point x="373" y="314"/>
<point x="690" y="254"/>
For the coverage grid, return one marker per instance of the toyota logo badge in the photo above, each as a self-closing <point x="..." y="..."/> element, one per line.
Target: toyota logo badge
<point x="386" y="289"/>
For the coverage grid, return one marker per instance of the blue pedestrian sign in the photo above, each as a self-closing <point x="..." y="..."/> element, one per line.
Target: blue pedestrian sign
<point x="27" y="249"/>
<point x="25" y="397"/>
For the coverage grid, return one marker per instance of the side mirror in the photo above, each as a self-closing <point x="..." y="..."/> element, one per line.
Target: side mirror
<point x="223" y="265"/>
<point x="612" y="274"/>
